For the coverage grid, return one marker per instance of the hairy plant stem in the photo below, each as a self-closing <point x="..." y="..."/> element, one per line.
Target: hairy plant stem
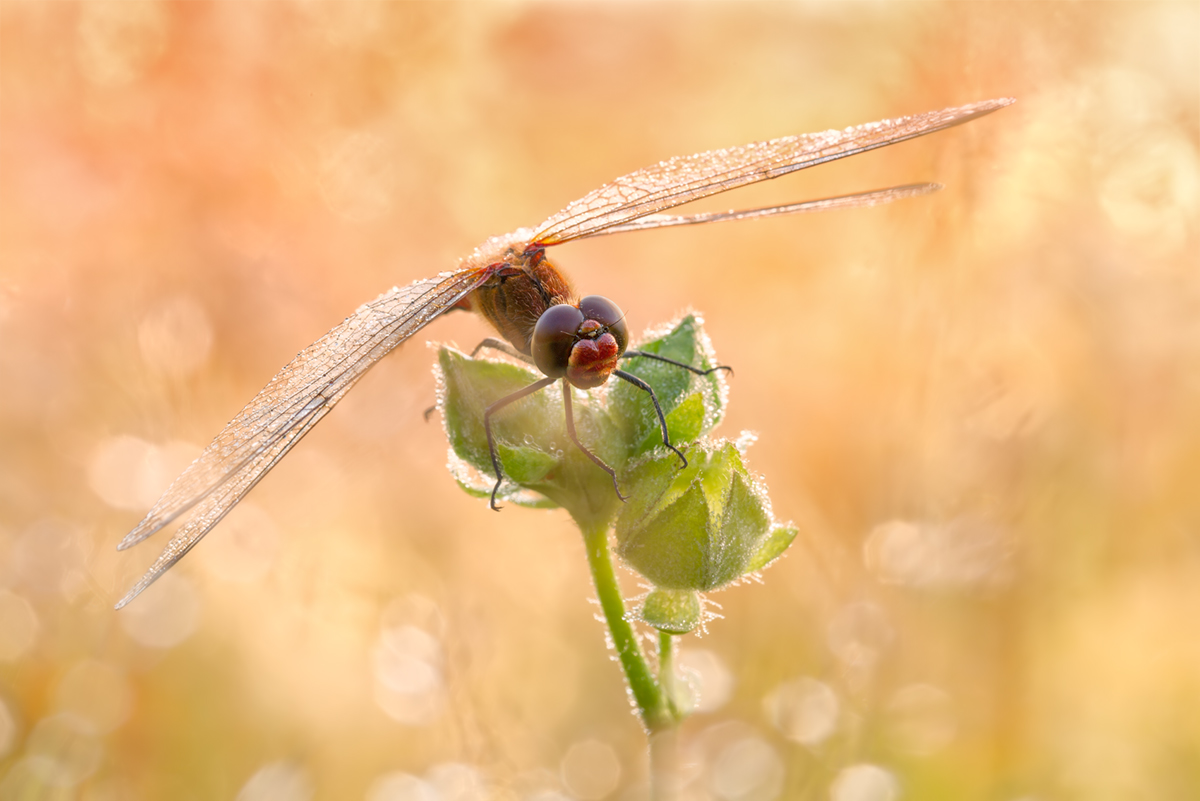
<point x="653" y="696"/>
<point x="647" y="693"/>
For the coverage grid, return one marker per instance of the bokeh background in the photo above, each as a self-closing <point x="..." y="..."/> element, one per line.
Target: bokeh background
<point x="979" y="406"/>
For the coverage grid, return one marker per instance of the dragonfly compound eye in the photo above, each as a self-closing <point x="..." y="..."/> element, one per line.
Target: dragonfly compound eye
<point x="556" y="331"/>
<point x="609" y="315"/>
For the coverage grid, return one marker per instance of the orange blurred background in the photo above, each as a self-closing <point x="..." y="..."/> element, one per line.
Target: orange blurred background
<point x="979" y="406"/>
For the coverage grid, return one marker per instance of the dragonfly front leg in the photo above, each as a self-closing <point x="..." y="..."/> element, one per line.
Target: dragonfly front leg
<point x="629" y="354"/>
<point x="574" y="438"/>
<point x="662" y="420"/>
<point x="502" y="346"/>
<point x="487" y="426"/>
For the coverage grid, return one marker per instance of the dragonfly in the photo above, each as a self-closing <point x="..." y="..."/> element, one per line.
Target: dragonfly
<point x="510" y="282"/>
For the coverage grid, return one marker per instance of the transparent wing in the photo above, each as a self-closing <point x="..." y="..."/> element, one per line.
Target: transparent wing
<point x="857" y="200"/>
<point x="286" y="409"/>
<point x="683" y="179"/>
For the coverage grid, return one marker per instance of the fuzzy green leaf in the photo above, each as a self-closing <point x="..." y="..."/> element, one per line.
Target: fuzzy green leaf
<point x="672" y="611"/>
<point x="673" y="385"/>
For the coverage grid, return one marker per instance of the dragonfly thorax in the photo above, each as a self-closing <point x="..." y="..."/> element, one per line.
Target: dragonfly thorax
<point x="531" y="303"/>
<point x="518" y="291"/>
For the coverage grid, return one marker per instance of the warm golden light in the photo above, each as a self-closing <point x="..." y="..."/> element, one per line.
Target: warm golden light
<point x="979" y="405"/>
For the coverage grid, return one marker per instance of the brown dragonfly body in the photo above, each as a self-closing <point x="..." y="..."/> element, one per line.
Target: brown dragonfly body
<point x="516" y="294"/>
<point x="510" y="282"/>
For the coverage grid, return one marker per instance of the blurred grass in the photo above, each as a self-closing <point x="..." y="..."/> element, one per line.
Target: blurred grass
<point x="979" y="406"/>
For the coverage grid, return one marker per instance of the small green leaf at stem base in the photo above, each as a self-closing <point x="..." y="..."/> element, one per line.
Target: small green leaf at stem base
<point x="672" y="611"/>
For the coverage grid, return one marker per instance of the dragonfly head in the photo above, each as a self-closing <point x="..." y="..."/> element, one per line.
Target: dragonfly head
<point x="582" y="343"/>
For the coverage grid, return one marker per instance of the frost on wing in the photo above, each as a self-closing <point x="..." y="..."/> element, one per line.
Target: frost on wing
<point x="287" y="408"/>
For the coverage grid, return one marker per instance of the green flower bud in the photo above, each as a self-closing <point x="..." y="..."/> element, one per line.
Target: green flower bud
<point x="699" y="528"/>
<point x="542" y="467"/>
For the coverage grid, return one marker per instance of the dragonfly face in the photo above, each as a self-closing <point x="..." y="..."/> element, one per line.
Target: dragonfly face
<point x="581" y="343"/>
<point x="509" y="281"/>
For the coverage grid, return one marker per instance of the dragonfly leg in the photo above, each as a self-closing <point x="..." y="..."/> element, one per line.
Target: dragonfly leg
<point x="662" y="421"/>
<point x="503" y="347"/>
<point x="574" y="438"/>
<point x="632" y="353"/>
<point x="487" y="426"/>
<point x="494" y="344"/>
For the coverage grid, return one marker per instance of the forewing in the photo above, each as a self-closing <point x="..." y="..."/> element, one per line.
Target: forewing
<point x="287" y="408"/>
<point x="683" y="179"/>
<point x="855" y="201"/>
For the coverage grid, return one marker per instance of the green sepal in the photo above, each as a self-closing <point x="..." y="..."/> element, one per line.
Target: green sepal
<point x="517" y="496"/>
<point x="525" y="465"/>
<point x="684" y="423"/>
<point x="532" y="444"/>
<point x="673" y="385"/>
<point x="530" y="500"/>
<point x="772" y="547"/>
<point x="471" y="385"/>
<point x="672" y="611"/>
<point x="473" y="490"/>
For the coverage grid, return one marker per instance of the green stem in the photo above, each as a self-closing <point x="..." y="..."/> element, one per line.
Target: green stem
<point x="652" y="703"/>
<point x="664" y="746"/>
<point x="666" y="672"/>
